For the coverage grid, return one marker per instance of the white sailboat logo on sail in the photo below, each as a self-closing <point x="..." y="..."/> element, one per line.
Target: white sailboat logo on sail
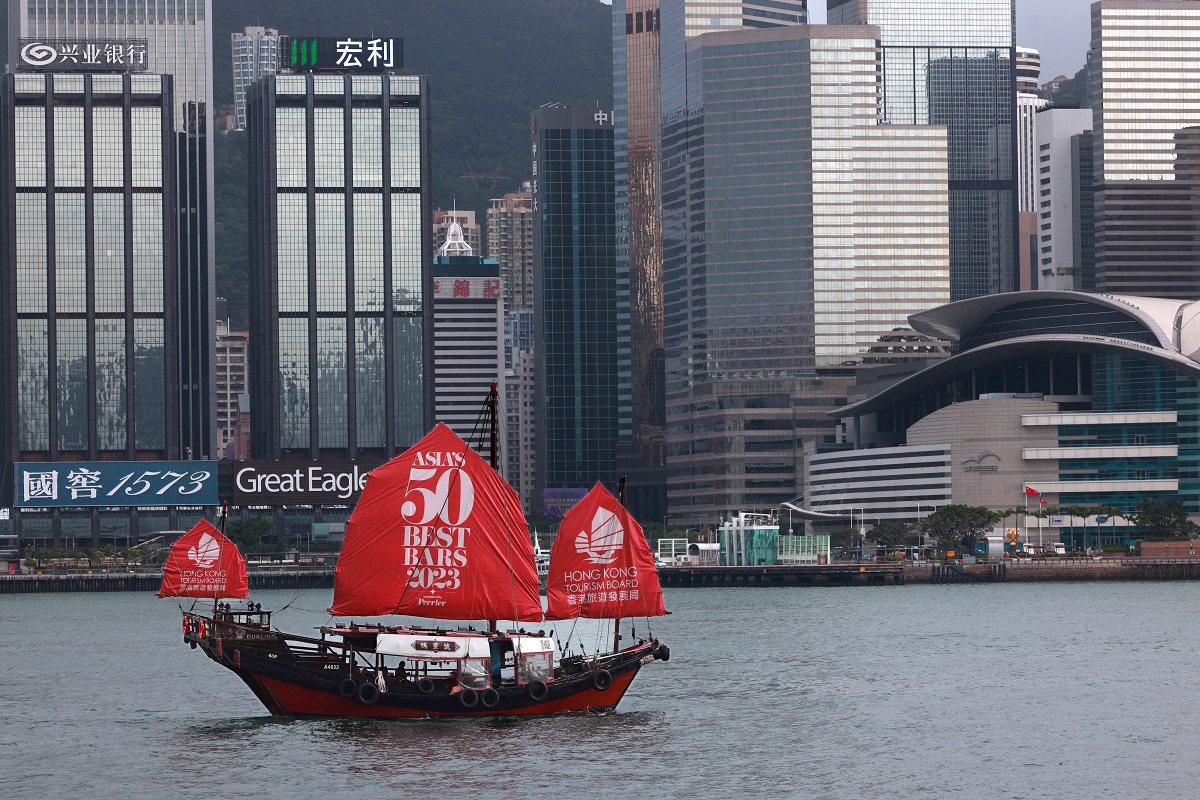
<point x="206" y="552"/>
<point x="606" y="538"/>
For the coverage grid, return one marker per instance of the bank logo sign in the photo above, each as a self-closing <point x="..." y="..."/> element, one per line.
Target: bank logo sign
<point x="341" y="54"/>
<point x="75" y="484"/>
<point x="82" y="55"/>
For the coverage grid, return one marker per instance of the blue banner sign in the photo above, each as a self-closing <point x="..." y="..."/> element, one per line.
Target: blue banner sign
<point x="74" y="484"/>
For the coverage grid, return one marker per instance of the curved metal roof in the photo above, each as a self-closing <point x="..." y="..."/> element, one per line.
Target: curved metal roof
<point x="942" y="371"/>
<point x="955" y="320"/>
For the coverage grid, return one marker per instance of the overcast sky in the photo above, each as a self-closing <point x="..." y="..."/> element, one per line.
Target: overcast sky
<point x="1059" y="29"/>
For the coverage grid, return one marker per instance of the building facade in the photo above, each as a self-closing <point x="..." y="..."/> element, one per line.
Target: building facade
<point x="1063" y="192"/>
<point x="574" y="299"/>
<point x="232" y="425"/>
<point x="255" y="53"/>
<point x="178" y="42"/>
<point x="468" y="229"/>
<point x="952" y="63"/>
<point x="88" y="226"/>
<point x="774" y="299"/>
<point x="1029" y="67"/>
<point x="340" y="326"/>
<point x="1145" y="124"/>
<point x="1088" y="400"/>
<point x="510" y="243"/>
<point x="649" y="43"/>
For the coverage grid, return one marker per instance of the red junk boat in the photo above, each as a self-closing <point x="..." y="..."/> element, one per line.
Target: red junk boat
<point x="437" y="534"/>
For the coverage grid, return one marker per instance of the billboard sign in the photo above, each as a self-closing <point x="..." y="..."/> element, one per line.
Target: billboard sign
<point x="82" y="55"/>
<point x="280" y="483"/>
<point x="557" y="502"/>
<point x="76" y="484"/>
<point x="341" y="54"/>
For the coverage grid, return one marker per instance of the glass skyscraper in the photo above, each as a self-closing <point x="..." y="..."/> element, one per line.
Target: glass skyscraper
<point x="179" y="43"/>
<point x="952" y="63"/>
<point x="88" y="216"/>
<point x="574" y="269"/>
<point x="799" y="234"/>
<point x="649" y="35"/>
<point x="1145" y="63"/>
<point x="255" y="53"/>
<point x="340" y="318"/>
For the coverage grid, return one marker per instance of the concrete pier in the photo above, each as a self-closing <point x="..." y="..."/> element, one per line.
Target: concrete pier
<point x="150" y="581"/>
<point x="785" y="575"/>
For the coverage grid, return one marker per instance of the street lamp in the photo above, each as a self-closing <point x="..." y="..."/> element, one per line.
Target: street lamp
<point x="861" y="523"/>
<point x="931" y="508"/>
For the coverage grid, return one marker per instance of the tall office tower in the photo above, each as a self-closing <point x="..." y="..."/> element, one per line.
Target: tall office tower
<point x="1083" y="215"/>
<point x="510" y="242"/>
<point x="951" y="62"/>
<point x="574" y="302"/>
<point x="340" y="325"/>
<point x="232" y="347"/>
<point x="468" y="342"/>
<point x="1144" y="123"/>
<point x="649" y="38"/>
<point x="255" y="53"/>
<point x="468" y="230"/>
<point x="773" y="298"/>
<point x="520" y="403"/>
<point x="178" y="43"/>
<point x="88" y="216"/>
<point x="1029" y="66"/>
<point x="1060" y="201"/>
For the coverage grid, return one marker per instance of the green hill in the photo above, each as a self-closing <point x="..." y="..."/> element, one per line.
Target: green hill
<point x="490" y="63"/>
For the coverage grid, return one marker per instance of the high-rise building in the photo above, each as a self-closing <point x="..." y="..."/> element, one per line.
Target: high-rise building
<point x="88" y="323"/>
<point x="1029" y="66"/>
<point x="468" y="344"/>
<point x="340" y="324"/>
<point x="1060" y="199"/>
<point x="255" y="53"/>
<point x="231" y="387"/>
<point x="510" y="243"/>
<point x="1144" y="124"/>
<point x="467" y="226"/>
<point x="774" y="299"/>
<point x="574" y="301"/>
<point x="649" y="38"/>
<point x="520" y="402"/>
<point x="178" y="39"/>
<point x="951" y="62"/>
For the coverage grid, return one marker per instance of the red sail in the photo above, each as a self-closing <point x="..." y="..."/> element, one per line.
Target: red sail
<point x="203" y="563"/>
<point x="601" y="565"/>
<point x="437" y="533"/>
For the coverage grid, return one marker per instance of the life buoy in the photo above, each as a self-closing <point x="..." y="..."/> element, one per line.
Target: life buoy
<point x="368" y="693"/>
<point x="469" y="698"/>
<point x="489" y="697"/>
<point x="200" y="628"/>
<point x="425" y="686"/>
<point x="537" y="690"/>
<point x="347" y="687"/>
<point x="185" y="625"/>
<point x="601" y="679"/>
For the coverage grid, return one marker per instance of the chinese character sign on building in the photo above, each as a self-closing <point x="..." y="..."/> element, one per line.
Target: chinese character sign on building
<point x="467" y="288"/>
<point x="82" y="55"/>
<point x="116" y="483"/>
<point x="341" y="54"/>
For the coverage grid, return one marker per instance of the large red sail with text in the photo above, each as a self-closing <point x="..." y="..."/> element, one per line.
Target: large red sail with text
<point x="601" y="565"/>
<point x="203" y="563"/>
<point x="437" y="533"/>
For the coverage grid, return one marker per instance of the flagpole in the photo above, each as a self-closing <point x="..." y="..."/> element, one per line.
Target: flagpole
<point x="1026" y="517"/>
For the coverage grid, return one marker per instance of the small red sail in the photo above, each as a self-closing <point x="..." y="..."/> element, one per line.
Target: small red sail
<point x="601" y="566"/>
<point x="204" y="563"/>
<point x="437" y="533"/>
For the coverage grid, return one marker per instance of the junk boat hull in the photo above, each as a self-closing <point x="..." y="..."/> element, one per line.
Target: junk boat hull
<point x="302" y="677"/>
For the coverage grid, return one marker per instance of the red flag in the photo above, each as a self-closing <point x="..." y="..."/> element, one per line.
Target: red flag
<point x="601" y="566"/>
<point x="203" y="563"/>
<point x="437" y="533"/>
<point x="1042" y="500"/>
<point x="1029" y="490"/>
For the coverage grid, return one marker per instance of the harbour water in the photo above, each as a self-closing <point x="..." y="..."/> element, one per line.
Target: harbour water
<point x="992" y="691"/>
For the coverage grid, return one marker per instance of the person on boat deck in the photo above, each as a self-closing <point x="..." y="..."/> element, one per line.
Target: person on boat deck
<point x="401" y="673"/>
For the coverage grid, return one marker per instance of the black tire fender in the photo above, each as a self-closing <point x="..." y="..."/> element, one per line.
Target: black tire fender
<point x="664" y="653"/>
<point x="368" y="693"/>
<point x="601" y="679"/>
<point x="425" y="686"/>
<point x="347" y="687"/>
<point x="537" y="690"/>
<point x="469" y="698"/>
<point x="489" y="697"/>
